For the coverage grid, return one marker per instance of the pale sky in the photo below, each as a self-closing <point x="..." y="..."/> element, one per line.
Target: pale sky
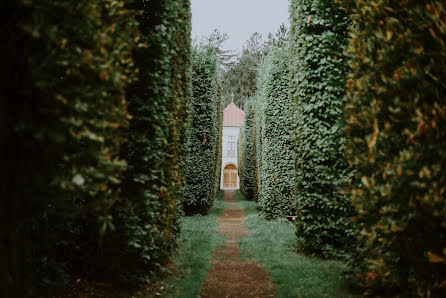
<point x="239" y="18"/>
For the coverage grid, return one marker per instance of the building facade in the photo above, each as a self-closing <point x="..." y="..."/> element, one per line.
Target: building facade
<point x="232" y="120"/>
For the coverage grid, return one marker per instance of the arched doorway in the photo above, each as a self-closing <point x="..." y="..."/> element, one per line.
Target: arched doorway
<point x="230" y="176"/>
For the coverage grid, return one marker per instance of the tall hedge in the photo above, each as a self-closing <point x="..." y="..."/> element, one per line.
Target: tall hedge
<point x="275" y="148"/>
<point x="219" y="150"/>
<point x="75" y="201"/>
<point x="246" y="151"/>
<point x="201" y="169"/>
<point x="65" y="110"/>
<point x="319" y="31"/>
<point x="395" y="109"/>
<point x="159" y="100"/>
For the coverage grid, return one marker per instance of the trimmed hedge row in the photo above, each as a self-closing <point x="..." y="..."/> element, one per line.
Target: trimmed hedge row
<point x="159" y="100"/>
<point x="202" y="164"/>
<point x="395" y="109"/>
<point x="274" y="146"/>
<point x="79" y="80"/>
<point x="219" y="151"/>
<point x="317" y="85"/>
<point x="246" y="151"/>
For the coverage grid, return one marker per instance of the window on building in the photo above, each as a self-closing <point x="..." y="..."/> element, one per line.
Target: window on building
<point x="232" y="147"/>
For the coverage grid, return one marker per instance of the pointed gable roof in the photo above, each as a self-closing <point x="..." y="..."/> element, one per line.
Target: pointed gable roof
<point x="233" y="116"/>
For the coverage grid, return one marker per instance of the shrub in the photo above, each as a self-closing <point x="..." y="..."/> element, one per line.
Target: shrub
<point x="219" y="151"/>
<point x="275" y="169"/>
<point x="395" y="109"/>
<point x="159" y="100"/>
<point x="82" y="201"/>
<point x="317" y="85"/>
<point x="246" y="152"/>
<point x="67" y="110"/>
<point x="200" y="173"/>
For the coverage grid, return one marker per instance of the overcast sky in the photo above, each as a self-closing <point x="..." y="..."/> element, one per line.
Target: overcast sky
<point x="239" y="18"/>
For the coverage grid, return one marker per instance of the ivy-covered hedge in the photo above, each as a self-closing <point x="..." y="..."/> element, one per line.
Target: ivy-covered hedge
<point x="396" y="117"/>
<point x="274" y="141"/>
<point x="246" y="151"/>
<point x="201" y="170"/>
<point x="75" y="193"/>
<point x="319" y="32"/>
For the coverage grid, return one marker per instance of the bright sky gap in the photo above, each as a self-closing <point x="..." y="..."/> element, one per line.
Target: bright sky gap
<point x="239" y="18"/>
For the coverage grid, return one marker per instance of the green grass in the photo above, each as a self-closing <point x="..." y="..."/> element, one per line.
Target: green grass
<point x="271" y="244"/>
<point x="197" y="240"/>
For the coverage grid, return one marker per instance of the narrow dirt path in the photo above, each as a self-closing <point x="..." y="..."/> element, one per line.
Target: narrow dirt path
<point x="230" y="276"/>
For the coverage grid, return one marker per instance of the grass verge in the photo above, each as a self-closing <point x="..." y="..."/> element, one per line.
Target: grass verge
<point x="271" y="244"/>
<point x="197" y="240"/>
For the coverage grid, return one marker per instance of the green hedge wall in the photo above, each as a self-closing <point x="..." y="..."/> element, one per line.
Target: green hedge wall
<point x="241" y="148"/>
<point x="67" y="108"/>
<point x="201" y="169"/>
<point x="81" y="200"/>
<point x="317" y="84"/>
<point x="396" y="117"/>
<point x="258" y="127"/>
<point x="159" y="100"/>
<point x="274" y="148"/>
<point x="246" y="151"/>
<point x="219" y="151"/>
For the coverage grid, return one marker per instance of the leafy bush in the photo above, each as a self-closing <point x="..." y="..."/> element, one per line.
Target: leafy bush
<point x="78" y="194"/>
<point x="148" y="215"/>
<point x="219" y="151"/>
<point x="275" y="161"/>
<point x="201" y="169"/>
<point x="317" y="84"/>
<point x="246" y="152"/>
<point x="396" y="113"/>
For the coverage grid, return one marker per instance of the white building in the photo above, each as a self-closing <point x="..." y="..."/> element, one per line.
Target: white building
<point x="232" y="120"/>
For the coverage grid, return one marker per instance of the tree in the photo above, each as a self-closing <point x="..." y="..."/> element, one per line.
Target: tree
<point x="240" y="78"/>
<point x="279" y="39"/>
<point x="216" y="40"/>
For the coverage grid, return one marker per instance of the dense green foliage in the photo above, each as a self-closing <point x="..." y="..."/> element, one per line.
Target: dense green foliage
<point x="396" y="117"/>
<point x="70" y="109"/>
<point x="317" y="84"/>
<point x="275" y="162"/>
<point x="148" y="216"/>
<point x="82" y="79"/>
<point x="246" y="152"/>
<point x="219" y="151"/>
<point x="240" y="77"/>
<point x="202" y="164"/>
<point x="111" y="127"/>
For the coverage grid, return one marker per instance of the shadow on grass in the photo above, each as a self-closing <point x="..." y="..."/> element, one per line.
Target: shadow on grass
<point x="271" y="244"/>
<point x="192" y="262"/>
